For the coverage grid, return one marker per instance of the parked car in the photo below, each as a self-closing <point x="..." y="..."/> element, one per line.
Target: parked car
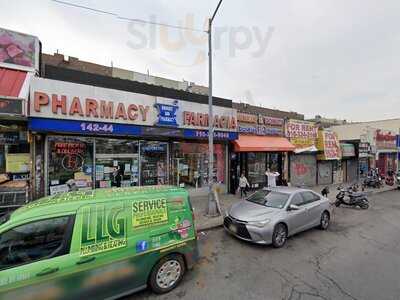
<point x="398" y="180"/>
<point x="271" y="215"/>
<point x="97" y="244"/>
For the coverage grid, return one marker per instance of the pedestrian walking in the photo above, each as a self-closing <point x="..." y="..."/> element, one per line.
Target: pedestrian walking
<point x="243" y="184"/>
<point x="271" y="177"/>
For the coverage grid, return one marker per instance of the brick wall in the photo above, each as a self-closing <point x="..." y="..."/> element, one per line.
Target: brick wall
<point x="251" y="109"/>
<point x="73" y="63"/>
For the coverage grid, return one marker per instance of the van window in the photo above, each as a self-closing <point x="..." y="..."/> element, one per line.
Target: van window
<point x="34" y="241"/>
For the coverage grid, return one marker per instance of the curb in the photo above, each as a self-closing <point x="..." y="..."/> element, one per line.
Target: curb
<point x="215" y="223"/>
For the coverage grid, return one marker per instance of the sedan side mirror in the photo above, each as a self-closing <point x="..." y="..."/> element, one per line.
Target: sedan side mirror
<point x="293" y="207"/>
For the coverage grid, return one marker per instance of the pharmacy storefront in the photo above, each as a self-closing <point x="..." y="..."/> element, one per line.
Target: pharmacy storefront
<point x="89" y="137"/>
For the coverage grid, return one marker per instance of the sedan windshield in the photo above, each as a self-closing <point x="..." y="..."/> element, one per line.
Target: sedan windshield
<point x="269" y="199"/>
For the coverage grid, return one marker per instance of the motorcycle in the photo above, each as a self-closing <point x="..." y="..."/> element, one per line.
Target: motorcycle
<point x="373" y="181"/>
<point x="354" y="198"/>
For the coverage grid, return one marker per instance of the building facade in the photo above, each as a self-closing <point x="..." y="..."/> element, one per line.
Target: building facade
<point x="94" y="137"/>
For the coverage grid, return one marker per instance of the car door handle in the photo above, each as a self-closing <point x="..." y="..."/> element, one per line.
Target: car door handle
<point x="47" y="271"/>
<point x="86" y="260"/>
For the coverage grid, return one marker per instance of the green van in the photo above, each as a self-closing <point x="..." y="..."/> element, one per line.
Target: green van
<point x="98" y="244"/>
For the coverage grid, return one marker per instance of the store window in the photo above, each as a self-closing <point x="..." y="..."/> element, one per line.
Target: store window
<point x="256" y="162"/>
<point x="189" y="165"/>
<point x="15" y="165"/>
<point x="117" y="163"/>
<point x="154" y="160"/>
<point x="70" y="164"/>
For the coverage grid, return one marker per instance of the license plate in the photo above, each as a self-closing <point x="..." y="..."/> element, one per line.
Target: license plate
<point x="233" y="228"/>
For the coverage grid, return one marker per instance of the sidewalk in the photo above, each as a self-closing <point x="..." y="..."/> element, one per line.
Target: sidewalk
<point x="205" y="223"/>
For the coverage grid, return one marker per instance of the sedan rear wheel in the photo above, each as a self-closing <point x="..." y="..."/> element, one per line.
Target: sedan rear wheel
<point x="279" y="236"/>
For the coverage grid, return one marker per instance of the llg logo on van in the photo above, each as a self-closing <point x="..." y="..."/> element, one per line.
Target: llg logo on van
<point x="103" y="228"/>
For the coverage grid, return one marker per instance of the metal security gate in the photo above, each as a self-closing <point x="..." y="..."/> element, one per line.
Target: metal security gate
<point x="303" y="170"/>
<point x="352" y="170"/>
<point x="324" y="172"/>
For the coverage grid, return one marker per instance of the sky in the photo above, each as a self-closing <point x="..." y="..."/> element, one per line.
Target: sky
<point x="334" y="58"/>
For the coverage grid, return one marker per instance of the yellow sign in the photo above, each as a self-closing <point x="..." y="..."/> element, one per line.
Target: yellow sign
<point x="18" y="163"/>
<point x="149" y="212"/>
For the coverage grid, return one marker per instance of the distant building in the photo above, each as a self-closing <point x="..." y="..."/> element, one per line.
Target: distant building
<point x="258" y="110"/>
<point x="326" y="122"/>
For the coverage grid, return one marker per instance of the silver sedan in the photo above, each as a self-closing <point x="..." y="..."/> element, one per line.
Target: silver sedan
<point x="271" y="215"/>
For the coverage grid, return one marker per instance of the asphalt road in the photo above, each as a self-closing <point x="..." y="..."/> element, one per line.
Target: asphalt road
<point x="357" y="258"/>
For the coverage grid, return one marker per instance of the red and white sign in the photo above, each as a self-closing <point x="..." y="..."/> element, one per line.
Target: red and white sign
<point x="65" y="100"/>
<point x="385" y="140"/>
<point x="331" y="145"/>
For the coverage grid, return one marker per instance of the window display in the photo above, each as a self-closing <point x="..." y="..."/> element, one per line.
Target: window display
<point x="256" y="164"/>
<point x="117" y="163"/>
<point x="70" y="164"/>
<point x="189" y="165"/>
<point x="153" y="163"/>
<point x="15" y="166"/>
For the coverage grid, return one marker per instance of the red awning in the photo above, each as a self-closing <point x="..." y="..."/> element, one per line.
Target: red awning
<point x="12" y="83"/>
<point x="262" y="144"/>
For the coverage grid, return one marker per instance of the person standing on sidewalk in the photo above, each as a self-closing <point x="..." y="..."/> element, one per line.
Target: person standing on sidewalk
<point x="243" y="184"/>
<point x="271" y="177"/>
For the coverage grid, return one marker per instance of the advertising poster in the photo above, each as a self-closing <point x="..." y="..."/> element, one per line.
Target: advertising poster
<point x="302" y="134"/>
<point x="18" y="50"/>
<point x="328" y="143"/>
<point x="17" y="163"/>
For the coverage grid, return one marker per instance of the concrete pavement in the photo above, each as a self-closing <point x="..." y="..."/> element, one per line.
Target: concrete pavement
<point x="357" y="258"/>
<point x="203" y="222"/>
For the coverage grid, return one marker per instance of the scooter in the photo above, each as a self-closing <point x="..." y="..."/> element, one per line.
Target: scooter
<point x="354" y="198"/>
<point x="373" y="181"/>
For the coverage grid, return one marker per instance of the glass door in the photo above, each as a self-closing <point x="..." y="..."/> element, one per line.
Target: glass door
<point x="153" y="161"/>
<point x="117" y="163"/>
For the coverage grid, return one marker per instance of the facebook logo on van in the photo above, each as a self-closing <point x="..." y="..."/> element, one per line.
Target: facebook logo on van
<point x="141" y="246"/>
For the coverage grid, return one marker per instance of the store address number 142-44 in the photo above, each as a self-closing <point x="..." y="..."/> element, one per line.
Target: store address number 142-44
<point x="95" y="127"/>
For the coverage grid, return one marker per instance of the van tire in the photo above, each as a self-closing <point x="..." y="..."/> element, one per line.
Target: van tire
<point x="171" y="265"/>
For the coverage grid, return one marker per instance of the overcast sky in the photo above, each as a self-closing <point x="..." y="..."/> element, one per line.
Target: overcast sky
<point x="335" y="58"/>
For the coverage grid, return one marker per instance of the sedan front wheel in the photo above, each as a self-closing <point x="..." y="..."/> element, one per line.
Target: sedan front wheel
<point x="325" y="220"/>
<point x="279" y="236"/>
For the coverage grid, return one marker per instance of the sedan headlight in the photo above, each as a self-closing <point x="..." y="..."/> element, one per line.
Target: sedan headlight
<point x="260" y="223"/>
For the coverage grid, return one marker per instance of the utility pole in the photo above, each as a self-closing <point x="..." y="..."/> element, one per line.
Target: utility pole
<point x="213" y="207"/>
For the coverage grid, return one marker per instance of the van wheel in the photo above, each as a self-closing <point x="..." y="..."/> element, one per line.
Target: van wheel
<point x="167" y="274"/>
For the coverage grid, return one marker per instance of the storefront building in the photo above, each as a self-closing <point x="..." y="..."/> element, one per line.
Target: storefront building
<point x="349" y="163"/>
<point x="19" y="60"/>
<point x="303" y="162"/>
<point x="386" y="152"/>
<point x="261" y="146"/>
<point x="328" y="158"/>
<point x="92" y="137"/>
<point x="365" y="158"/>
<point x="398" y="155"/>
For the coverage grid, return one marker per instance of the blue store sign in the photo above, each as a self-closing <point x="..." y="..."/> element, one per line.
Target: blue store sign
<point x="89" y="128"/>
<point x="99" y="128"/>
<point x="167" y="114"/>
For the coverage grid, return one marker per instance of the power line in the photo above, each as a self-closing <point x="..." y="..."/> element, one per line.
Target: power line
<point x="126" y="18"/>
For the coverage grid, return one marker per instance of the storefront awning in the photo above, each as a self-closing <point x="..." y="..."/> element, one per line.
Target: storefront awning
<point x="14" y="83"/>
<point x="262" y="144"/>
